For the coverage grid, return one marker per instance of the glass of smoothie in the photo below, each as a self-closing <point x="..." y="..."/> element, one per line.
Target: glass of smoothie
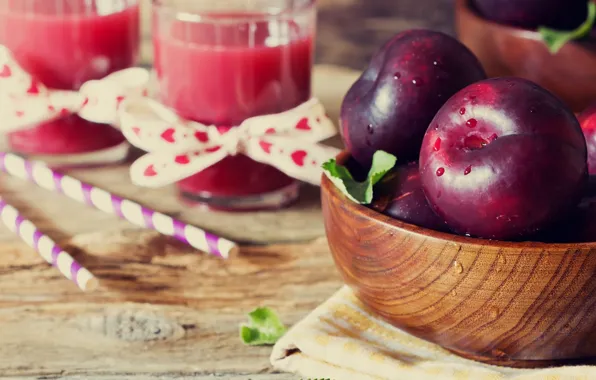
<point x="64" y="43"/>
<point x="221" y="62"/>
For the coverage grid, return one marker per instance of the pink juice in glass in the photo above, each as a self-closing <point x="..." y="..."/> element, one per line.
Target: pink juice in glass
<point x="224" y="71"/>
<point x="64" y="43"/>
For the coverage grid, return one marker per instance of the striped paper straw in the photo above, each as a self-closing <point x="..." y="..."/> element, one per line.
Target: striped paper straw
<point x="40" y="174"/>
<point x="46" y="247"/>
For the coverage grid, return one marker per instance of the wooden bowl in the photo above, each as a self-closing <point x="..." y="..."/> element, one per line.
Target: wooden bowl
<point x="509" y="51"/>
<point x="511" y="304"/>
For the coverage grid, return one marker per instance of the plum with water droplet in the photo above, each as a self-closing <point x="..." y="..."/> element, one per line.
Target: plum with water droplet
<point x="518" y="168"/>
<point x="399" y="195"/>
<point x="582" y="227"/>
<point x="530" y="14"/>
<point x="579" y="226"/>
<point x="390" y="106"/>
<point x="587" y="120"/>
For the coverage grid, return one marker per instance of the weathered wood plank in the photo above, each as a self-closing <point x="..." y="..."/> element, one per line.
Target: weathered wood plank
<point x="161" y="308"/>
<point x="160" y="376"/>
<point x="164" y="311"/>
<point x="225" y="376"/>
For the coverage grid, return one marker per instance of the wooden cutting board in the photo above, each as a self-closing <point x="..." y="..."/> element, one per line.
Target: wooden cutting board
<point x="62" y="218"/>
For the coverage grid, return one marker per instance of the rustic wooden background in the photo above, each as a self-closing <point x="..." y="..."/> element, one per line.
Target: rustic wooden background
<point x="349" y="31"/>
<point x="165" y="311"/>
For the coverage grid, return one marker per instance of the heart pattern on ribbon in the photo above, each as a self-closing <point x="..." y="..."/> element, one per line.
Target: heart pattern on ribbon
<point x="179" y="148"/>
<point x="25" y="102"/>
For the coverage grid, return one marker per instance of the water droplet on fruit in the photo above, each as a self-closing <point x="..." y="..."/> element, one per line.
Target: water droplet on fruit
<point x="440" y="172"/>
<point x="473" y="99"/>
<point x="437" y="63"/>
<point x="417" y="82"/>
<point x="493" y="137"/>
<point x="494" y="312"/>
<point x="436" y="127"/>
<point x="397" y="75"/>
<point x="370" y="129"/>
<point x="532" y="110"/>
<point x="505" y="218"/>
<point x="472" y="123"/>
<point x="437" y="145"/>
<point x="474" y="142"/>
<point x="462" y="111"/>
<point x="468" y="170"/>
<point x="458" y="267"/>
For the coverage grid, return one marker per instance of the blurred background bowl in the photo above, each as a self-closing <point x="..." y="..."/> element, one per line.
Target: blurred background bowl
<point x="511" y="51"/>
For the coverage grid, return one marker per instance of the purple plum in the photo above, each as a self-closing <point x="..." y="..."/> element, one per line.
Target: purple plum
<point x="582" y="228"/>
<point x="503" y="159"/>
<point x="578" y="227"/>
<point x="391" y="105"/>
<point x="399" y="195"/>
<point x="587" y="120"/>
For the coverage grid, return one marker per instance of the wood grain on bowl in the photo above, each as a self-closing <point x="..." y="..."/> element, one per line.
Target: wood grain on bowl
<point x="510" y="51"/>
<point x="513" y="304"/>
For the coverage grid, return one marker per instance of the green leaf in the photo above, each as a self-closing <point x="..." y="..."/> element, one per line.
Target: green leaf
<point x="360" y="192"/>
<point x="264" y="328"/>
<point x="381" y="164"/>
<point x="341" y="177"/>
<point x="555" y="39"/>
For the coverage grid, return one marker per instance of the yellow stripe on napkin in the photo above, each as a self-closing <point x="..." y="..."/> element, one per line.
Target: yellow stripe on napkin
<point x="340" y="340"/>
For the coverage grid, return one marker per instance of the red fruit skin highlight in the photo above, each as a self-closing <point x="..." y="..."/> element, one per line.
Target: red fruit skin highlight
<point x="391" y="105"/>
<point x="520" y="167"/>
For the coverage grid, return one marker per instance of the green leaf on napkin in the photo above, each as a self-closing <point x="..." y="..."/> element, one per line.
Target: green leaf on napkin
<point x="360" y="192"/>
<point x="264" y="328"/>
<point x="555" y="39"/>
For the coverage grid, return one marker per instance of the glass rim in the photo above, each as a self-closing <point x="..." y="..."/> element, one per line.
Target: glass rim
<point x="90" y="8"/>
<point x="198" y="16"/>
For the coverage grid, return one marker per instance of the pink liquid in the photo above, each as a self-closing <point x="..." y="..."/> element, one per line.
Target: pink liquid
<point x="223" y="74"/>
<point x="64" y="44"/>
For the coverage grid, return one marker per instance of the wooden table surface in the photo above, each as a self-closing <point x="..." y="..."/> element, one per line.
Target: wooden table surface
<point x="164" y="310"/>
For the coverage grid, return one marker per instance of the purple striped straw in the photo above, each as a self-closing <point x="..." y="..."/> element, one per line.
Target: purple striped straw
<point x="46" y="247"/>
<point x="40" y="174"/>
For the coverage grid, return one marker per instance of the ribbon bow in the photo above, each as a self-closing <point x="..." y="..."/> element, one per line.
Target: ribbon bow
<point x="179" y="148"/>
<point x="25" y="102"/>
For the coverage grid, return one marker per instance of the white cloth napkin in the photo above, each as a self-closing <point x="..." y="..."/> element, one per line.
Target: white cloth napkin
<point x="340" y="340"/>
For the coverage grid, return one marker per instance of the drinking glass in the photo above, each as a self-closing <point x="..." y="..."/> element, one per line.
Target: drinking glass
<point x="221" y="62"/>
<point x="63" y="44"/>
